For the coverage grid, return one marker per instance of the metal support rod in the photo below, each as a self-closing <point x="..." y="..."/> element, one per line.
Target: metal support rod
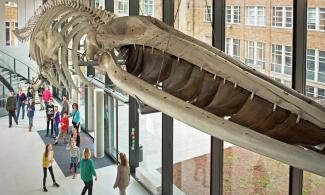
<point x="168" y="12"/>
<point x="109" y="5"/>
<point x="133" y="134"/>
<point x="299" y="43"/>
<point x="167" y="155"/>
<point x="134" y="7"/>
<point x="218" y="41"/>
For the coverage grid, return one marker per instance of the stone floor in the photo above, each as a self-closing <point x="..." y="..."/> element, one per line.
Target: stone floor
<point x="21" y="170"/>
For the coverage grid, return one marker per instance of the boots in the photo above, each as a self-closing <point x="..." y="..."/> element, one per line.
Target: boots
<point x="30" y="128"/>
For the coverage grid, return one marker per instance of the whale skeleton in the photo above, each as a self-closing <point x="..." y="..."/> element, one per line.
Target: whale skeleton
<point x="180" y="76"/>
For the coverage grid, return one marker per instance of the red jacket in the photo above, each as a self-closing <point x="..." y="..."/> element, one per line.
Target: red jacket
<point x="47" y="95"/>
<point x="64" y="124"/>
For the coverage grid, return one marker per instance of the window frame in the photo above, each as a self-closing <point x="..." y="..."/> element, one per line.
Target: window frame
<point x="207" y="17"/>
<point x="147" y="3"/>
<point x="284" y="10"/>
<point x="230" y="14"/>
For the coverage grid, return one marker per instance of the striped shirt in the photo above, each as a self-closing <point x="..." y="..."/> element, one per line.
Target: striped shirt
<point x="74" y="151"/>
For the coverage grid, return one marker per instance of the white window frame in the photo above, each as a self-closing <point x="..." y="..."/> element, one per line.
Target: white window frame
<point x="207" y="17"/>
<point x="309" y="93"/>
<point x="150" y="3"/>
<point x="284" y="54"/>
<point x="313" y="59"/>
<point x="284" y="11"/>
<point x="230" y="14"/>
<point x="317" y="20"/>
<point x="230" y="47"/>
<point x="122" y="12"/>
<point x="257" y="48"/>
<point x="254" y="19"/>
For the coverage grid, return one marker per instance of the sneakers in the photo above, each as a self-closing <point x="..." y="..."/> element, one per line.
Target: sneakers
<point x="9" y="126"/>
<point x="44" y="189"/>
<point x="56" y="184"/>
<point x="16" y="122"/>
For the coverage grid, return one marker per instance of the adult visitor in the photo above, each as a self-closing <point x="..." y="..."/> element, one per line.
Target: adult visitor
<point x="30" y="113"/>
<point x="48" y="158"/>
<point x="65" y="105"/>
<point x="49" y="117"/>
<point x="40" y="96"/>
<point x="46" y="95"/>
<point x="75" y="114"/>
<point x="122" y="180"/>
<point x="11" y="107"/>
<point x="21" y="101"/>
<point x="87" y="171"/>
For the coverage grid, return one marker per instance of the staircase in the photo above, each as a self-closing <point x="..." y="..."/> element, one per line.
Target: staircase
<point x="13" y="74"/>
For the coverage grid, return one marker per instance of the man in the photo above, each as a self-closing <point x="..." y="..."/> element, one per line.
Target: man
<point x="30" y="91"/>
<point x="11" y="108"/>
<point x="40" y="95"/>
<point x="49" y="116"/>
<point x="65" y="105"/>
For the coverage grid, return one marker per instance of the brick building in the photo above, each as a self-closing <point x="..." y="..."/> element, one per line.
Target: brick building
<point x="11" y="23"/>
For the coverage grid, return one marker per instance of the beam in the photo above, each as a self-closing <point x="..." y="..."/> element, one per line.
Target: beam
<point x="299" y="43"/>
<point x="133" y="134"/>
<point x="168" y="12"/>
<point x="218" y="41"/>
<point x="109" y="5"/>
<point x="133" y="7"/>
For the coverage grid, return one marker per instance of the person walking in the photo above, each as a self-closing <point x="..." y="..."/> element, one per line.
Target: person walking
<point x="56" y="121"/>
<point x="65" y="105"/>
<point x="74" y="157"/>
<point x="21" y="101"/>
<point x="40" y="96"/>
<point x="49" y="116"/>
<point x="30" y="113"/>
<point x="11" y="107"/>
<point x="46" y="95"/>
<point x="75" y="135"/>
<point x="75" y="114"/>
<point x="64" y="129"/>
<point x="48" y="158"/>
<point x="123" y="175"/>
<point x="87" y="171"/>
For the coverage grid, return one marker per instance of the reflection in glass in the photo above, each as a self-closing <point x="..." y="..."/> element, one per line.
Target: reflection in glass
<point x="123" y="127"/>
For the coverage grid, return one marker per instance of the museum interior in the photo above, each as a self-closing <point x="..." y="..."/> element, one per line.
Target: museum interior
<point x="202" y="96"/>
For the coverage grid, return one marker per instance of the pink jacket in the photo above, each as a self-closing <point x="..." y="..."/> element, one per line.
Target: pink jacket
<point x="47" y="95"/>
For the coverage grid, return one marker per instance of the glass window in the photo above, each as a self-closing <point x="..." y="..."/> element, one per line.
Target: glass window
<point x="321" y="93"/>
<point x="313" y="184"/>
<point x="311" y="18"/>
<point x="228" y="45"/>
<point x="310" y="91"/>
<point x="7" y="33"/>
<point x="122" y="7"/>
<point x="191" y="165"/>
<point x="260" y="53"/>
<point x="282" y="16"/>
<point x="208" y="13"/>
<point x="254" y="54"/>
<point x="287" y="60"/>
<point x="123" y="127"/>
<point x="310" y="64"/>
<point x="255" y="15"/>
<point x="148" y="7"/>
<point x="249" y="52"/>
<point x="321" y="69"/>
<point x="276" y="58"/>
<point x="228" y="14"/>
<point x="289" y="16"/>
<point x="236" y="48"/>
<point x="321" y="18"/>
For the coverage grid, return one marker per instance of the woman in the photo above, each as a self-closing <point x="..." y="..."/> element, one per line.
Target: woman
<point x="87" y="171"/>
<point x="123" y="175"/>
<point x="21" y="100"/>
<point x="30" y="113"/>
<point x="46" y="95"/>
<point x="75" y="114"/>
<point x="47" y="164"/>
<point x="76" y="136"/>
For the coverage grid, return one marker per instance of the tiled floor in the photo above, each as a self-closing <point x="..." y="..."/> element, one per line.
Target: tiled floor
<point x="21" y="171"/>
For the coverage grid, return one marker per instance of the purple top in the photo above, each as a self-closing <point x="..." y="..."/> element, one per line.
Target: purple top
<point x="57" y="117"/>
<point x="21" y="98"/>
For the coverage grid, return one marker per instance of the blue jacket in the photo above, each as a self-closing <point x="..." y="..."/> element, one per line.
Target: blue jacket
<point x="75" y="116"/>
<point x="30" y="113"/>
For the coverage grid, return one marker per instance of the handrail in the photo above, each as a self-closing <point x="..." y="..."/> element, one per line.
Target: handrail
<point x="35" y="71"/>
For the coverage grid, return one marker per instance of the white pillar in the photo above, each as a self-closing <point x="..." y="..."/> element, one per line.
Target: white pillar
<point x="75" y="93"/>
<point x="90" y="107"/>
<point x="99" y="122"/>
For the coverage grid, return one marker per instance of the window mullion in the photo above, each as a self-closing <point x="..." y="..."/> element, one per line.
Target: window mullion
<point x="316" y="64"/>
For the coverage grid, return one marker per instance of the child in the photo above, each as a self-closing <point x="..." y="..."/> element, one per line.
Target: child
<point x="50" y="115"/>
<point x="76" y="136"/>
<point x="74" y="156"/>
<point x="47" y="164"/>
<point x="56" y="121"/>
<point x="64" y="129"/>
<point x="30" y="113"/>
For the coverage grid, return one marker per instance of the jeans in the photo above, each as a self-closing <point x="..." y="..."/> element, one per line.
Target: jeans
<point x="45" y="104"/>
<point x="45" y="175"/>
<point x="12" y="113"/>
<point x="21" y="105"/>
<point x="30" y="119"/>
<point x="73" y="163"/>
<point x="89" y="187"/>
<point x="49" y="120"/>
<point x="56" y="128"/>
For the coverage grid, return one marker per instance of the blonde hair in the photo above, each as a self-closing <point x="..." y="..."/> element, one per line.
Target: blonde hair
<point x="86" y="153"/>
